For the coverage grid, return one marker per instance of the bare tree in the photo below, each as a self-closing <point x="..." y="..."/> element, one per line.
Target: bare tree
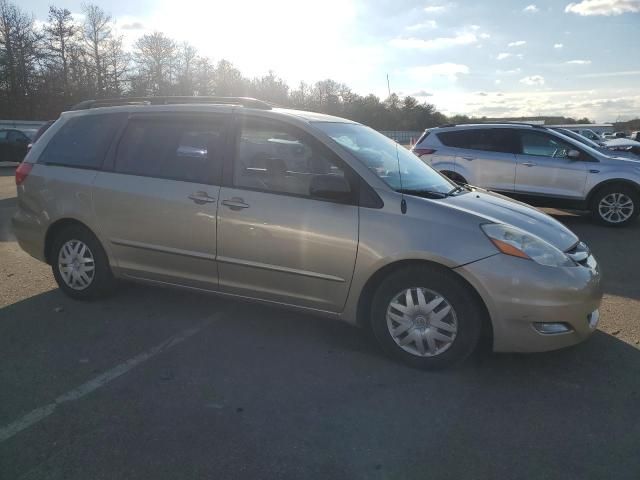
<point x="116" y="66"/>
<point x="96" y="35"/>
<point x="60" y="33"/>
<point x="154" y="55"/>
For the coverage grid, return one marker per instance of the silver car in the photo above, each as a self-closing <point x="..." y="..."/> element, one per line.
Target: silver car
<point x="306" y="211"/>
<point x="537" y="165"/>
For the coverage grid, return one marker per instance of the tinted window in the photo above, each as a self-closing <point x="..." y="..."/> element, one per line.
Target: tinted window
<point x="544" y="145"/>
<point x="277" y="158"/>
<point x="172" y="148"/>
<point x="3" y="134"/>
<point x="486" y="139"/>
<point x="82" y="141"/>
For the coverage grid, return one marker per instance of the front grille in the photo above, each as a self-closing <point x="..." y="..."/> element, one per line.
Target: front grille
<point x="579" y="253"/>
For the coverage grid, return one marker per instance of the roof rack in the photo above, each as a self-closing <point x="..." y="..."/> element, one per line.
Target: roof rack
<point x="447" y="125"/>
<point x="112" y="102"/>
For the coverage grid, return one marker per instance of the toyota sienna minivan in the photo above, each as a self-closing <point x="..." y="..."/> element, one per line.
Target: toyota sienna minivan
<point x="305" y="211"/>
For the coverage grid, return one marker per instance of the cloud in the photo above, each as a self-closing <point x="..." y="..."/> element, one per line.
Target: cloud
<point x="530" y="9"/>
<point x="422" y="26"/>
<point x="558" y="45"/>
<point x="133" y="26"/>
<point x="503" y="56"/>
<point x="434" y="43"/>
<point x="508" y="72"/>
<point x="627" y="73"/>
<point x="579" y="62"/>
<point x="519" y="43"/>
<point x="484" y="36"/>
<point x="603" y="7"/>
<point x="437" y="8"/>
<point x="536" y="80"/>
<point x="421" y="93"/>
<point x="450" y="71"/>
<point x="497" y="81"/>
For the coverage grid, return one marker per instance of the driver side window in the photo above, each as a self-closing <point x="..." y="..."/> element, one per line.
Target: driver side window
<point x="544" y="145"/>
<point x="278" y="159"/>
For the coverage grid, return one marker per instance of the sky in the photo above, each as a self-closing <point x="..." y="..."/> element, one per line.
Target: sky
<point x="475" y="57"/>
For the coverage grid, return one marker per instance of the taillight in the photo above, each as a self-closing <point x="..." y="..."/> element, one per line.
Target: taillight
<point x="22" y="172"/>
<point x="423" y="151"/>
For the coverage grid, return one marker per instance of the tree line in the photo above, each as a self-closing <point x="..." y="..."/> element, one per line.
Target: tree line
<point x="46" y="68"/>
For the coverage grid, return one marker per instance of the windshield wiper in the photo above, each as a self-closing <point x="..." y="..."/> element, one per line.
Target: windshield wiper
<point x="423" y="193"/>
<point x="458" y="188"/>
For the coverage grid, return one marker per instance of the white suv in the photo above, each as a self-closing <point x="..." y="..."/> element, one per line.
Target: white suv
<point x="537" y="165"/>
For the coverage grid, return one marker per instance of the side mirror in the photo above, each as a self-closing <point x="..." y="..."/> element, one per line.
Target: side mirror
<point x="573" y="155"/>
<point x="330" y="187"/>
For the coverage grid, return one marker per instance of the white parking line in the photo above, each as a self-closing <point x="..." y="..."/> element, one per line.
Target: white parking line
<point x="41" y="413"/>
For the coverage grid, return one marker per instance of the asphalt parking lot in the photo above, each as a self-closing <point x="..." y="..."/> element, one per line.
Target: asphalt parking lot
<point x="156" y="383"/>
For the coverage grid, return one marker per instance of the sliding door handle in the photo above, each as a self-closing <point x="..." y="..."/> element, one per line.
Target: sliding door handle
<point x="201" y="198"/>
<point x="529" y="164"/>
<point x="235" y="203"/>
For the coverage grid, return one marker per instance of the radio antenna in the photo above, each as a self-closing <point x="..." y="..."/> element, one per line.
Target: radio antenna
<point x="403" y="202"/>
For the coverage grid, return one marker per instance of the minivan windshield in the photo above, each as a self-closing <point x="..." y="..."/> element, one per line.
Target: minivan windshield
<point x="393" y="163"/>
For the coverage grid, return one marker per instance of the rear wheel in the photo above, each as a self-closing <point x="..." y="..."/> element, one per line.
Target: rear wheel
<point x="426" y="317"/>
<point x="80" y="265"/>
<point x="615" y="205"/>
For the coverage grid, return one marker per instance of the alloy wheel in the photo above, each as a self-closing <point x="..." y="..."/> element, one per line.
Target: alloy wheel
<point x="616" y="208"/>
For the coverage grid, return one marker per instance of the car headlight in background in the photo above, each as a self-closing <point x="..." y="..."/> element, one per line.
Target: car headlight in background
<point x="518" y="243"/>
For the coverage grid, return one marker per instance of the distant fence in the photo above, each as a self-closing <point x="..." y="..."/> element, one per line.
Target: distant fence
<point x="404" y="137"/>
<point x="21" y="124"/>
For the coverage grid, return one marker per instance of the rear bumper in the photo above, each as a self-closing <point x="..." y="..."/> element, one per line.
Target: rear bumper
<point x="30" y="234"/>
<point x="520" y="293"/>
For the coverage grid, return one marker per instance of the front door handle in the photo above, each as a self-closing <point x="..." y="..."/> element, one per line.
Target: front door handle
<point x="469" y="158"/>
<point x="235" y="203"/>
<point x="529" y="164"/>
<point x="201" y="198"/>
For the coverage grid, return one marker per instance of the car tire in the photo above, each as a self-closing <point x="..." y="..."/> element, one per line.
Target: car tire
<point x="80" y="264"/>
<point x="447" y="337"/>
<point x="615" y="205"/>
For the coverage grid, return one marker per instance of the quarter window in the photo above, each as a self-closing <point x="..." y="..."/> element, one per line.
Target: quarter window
<point x="185" y="150"/>
<point x="276" y="158"/>
<point x="82" y="141"/>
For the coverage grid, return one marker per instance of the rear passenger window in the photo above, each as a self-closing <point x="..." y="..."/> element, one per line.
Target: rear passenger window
<point x="82" y="141"/>
<point x="175" y="149"/>
<point x="487" y="139"/>
<point x="276" y="158"/>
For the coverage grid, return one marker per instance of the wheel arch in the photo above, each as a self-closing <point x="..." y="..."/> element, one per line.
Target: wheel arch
<point x="55" y="228"/>
<point x="363" y="312"/>
<point x="612" y="181"/>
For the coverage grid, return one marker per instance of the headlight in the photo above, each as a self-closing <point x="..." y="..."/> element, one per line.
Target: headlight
<point x="518" y="243"/>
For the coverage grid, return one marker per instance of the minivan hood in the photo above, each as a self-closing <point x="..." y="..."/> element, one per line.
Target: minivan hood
<point x="497" y="208"/>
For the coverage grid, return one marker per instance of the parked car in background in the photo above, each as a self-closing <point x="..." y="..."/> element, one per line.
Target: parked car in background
<point x="635" y="136"/>
<point x="588" y="133"/>
<point x="623" y="145"/>
<point x="537" y="165"/>
<point x="13" y="145"/>
<point x="43" y="128"/>
<point x="302" y="210"/>
<point x="600" y="146"/>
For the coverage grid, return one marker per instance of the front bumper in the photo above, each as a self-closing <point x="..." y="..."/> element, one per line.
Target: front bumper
<point x="520" y="293"/>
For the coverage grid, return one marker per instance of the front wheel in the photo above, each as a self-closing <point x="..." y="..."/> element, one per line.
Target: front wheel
<point x="426" y="317"/>
<point x="616" y="205"/>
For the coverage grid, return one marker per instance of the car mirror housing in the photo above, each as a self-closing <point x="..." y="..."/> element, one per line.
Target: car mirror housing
<point x="330" y="187"/>
<point x="573" y="154"/>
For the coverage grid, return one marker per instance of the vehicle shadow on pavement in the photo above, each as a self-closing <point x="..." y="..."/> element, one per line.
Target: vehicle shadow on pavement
<point x="276" y="392"/>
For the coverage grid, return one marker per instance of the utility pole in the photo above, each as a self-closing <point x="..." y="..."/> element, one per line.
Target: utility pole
<point x="388" y="85"/>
